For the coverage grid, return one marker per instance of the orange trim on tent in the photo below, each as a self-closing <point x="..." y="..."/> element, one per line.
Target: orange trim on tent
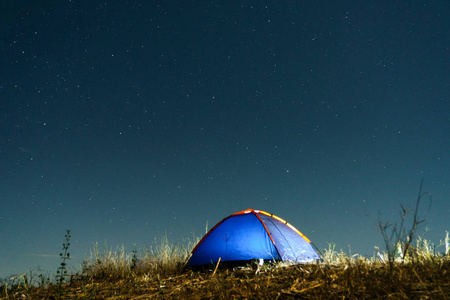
<point x="287" y="224"/>
<point x="243" y="212"/>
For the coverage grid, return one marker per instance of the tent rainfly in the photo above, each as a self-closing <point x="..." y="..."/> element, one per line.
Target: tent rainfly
<point x="253" y="234"/>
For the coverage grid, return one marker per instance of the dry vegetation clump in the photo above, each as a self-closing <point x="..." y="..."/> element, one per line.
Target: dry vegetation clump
<point x="162" y="259"/>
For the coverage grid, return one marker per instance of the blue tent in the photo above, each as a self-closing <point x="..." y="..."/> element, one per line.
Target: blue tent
<point x="253" y="234"/>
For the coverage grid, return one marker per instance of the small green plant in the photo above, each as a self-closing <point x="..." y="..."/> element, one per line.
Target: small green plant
<point x="61" y="273"/>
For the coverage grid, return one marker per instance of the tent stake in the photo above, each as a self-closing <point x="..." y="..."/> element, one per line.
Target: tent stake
<point x="218" y="262"/>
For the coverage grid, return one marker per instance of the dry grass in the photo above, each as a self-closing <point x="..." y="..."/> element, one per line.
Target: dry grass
<point x="158" y="260"/>
<point x="158" y="273"/>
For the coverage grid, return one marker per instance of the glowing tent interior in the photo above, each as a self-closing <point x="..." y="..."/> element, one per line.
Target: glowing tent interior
<point x="253" y="234"/>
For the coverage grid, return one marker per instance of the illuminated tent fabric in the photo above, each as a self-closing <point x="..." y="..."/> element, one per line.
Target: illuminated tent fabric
<point x="253" y="234"/>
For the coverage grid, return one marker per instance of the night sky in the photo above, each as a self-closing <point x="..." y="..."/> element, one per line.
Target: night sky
<point x="128" y="121"/>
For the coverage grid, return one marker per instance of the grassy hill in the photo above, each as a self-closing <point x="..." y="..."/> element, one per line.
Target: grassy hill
<point x="160" y="273"/>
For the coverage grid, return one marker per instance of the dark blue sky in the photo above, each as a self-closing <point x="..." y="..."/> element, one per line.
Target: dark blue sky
<point x="126" y="121"/>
